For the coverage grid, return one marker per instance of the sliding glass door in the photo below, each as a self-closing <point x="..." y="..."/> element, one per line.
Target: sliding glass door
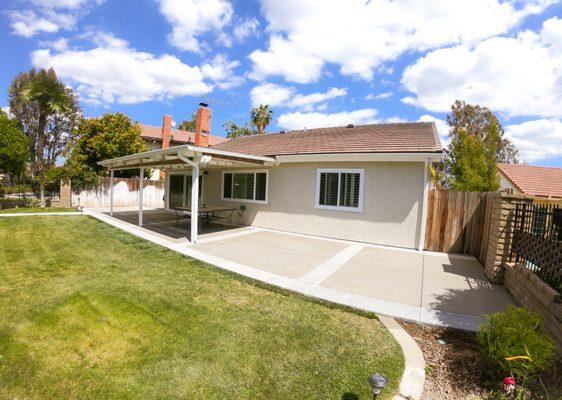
<point x="180" y="190"/>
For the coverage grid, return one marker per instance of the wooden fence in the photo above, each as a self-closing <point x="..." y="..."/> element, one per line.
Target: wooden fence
<point x="125" y="193"/>
<point x="458" y="222"/>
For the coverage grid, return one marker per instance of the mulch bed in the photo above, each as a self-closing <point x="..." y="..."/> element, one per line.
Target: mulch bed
<point x="454" y="370"/>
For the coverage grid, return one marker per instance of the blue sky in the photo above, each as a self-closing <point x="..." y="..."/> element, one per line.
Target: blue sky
<point x="315" y="62"/>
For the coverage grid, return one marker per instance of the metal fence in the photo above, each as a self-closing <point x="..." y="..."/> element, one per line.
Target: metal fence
<point x="537" y="241"/>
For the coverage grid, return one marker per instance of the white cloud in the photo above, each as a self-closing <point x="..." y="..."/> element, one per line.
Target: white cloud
<point x="6" y="109"/>
<point x="49" y="16"/>
<point x="113" y="72"/>
<point x="360" y="35"/>
<point x="247" y="28"/>
<point x="299" y="120"/>
<point x="515" y="76"/>
<point x="221" y="71"/>
<point x="537" y="140"/>
<point x="271" y="94"/>
<point x="380" y="96"/>
<point x="277" y="95"/>
<point x="192" y="18"/>
<point x="282" y="58"/>
<point x="442" y="128"/>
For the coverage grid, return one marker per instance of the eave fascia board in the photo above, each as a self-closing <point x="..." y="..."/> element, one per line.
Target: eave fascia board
<point x="359" y="157"/>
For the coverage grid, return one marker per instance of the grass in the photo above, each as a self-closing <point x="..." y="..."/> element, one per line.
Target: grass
<point x="91" y="312"/>
<point x="35" y="210"/>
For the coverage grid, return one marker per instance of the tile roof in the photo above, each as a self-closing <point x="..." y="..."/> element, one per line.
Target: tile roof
<point x="178" y="136"/>
<point x="534" y="180"/>
<point x="411" y="137"/>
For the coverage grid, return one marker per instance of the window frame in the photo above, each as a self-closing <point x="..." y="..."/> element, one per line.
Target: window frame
<point x="340" y="171"/>
<point x="246" y="171"/>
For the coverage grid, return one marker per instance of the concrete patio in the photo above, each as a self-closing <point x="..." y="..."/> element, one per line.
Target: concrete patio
<point x="433" y="288"/>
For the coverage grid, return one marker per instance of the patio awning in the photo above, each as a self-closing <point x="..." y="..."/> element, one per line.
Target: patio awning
<point x="182" y="157"/>
<point x="175" y="157"/>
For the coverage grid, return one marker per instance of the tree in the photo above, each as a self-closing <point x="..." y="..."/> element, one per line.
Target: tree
<point x="234" y="130"/>
<point x="47" y="111"/>
<point x="189" y="124"/>
<point x="477" y="145"/>
<point x="261" y="117"/>
<point x="14" y="149"/>
<point x="109" y="136"/>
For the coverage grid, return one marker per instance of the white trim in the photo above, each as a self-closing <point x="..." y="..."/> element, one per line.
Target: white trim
<point x="355" y="157"/>
<point x="246" y="171"/>
<point x="424" y="205"/>
<point x="359" y="171"/>
<point x="195" y="202"/>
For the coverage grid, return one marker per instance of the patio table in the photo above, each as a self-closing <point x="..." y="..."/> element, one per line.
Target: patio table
<point x="207" y="213"/>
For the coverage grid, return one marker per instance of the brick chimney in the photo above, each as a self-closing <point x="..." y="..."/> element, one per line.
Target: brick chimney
<point x="166" y="131"/>
<point x="203" y="126"/>
<point x="166" y="136"/>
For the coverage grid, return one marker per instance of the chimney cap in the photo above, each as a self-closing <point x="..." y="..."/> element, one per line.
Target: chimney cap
<point x="203" y="104"/>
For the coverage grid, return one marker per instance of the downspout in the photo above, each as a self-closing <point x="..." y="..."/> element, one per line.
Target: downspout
<point x="424" y="205"/>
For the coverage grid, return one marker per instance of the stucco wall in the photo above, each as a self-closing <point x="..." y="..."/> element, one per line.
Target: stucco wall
<point x="506" y="184"/>
<point x="391" y="212"/>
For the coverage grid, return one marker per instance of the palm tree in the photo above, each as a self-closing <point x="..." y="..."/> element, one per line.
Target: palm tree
<point x="261" y="117"/>
<point x="51" y="97"/>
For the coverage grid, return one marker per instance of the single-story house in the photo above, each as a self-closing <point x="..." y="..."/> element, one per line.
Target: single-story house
<point x="365" y="183"/>
<point x="531" y="180"/>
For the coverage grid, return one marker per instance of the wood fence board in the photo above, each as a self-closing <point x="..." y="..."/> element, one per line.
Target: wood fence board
<point x="458" y="222"/>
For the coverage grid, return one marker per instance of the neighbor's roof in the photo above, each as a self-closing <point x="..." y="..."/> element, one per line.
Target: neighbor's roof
<point x="411" y="137"/>
<point x="151" y="132"/>
<point x="534" y="180"/>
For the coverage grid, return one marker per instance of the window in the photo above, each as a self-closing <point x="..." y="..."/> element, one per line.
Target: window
<point x="340" y="189"/>
<point x="247" y="186"/>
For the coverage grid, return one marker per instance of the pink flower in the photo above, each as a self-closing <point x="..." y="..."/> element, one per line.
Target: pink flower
<point x="509" y="381"/>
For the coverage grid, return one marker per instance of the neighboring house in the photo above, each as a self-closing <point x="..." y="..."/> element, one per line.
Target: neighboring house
<point x="364" y="183"/>
<point x="531" y="180"/>
<point x="162" y="137"/>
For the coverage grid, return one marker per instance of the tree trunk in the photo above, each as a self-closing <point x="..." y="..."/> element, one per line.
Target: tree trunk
<point x="40" y="157"/>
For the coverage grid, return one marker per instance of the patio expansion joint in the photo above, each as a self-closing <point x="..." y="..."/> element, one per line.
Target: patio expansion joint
<point x="327" y="268"/>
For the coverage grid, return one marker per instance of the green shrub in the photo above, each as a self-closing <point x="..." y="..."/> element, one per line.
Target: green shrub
<point x="31" y="202"/>
<point x="512" y="343"/>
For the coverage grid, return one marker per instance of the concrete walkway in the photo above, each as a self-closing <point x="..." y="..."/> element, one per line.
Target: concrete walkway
<point x="431" y="288"/>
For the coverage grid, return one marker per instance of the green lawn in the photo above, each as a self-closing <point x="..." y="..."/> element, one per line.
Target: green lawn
<point x="35" y="210"/>
<point x="90" y="312"/>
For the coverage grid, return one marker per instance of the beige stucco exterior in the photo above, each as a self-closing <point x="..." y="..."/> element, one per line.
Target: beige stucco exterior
<point x="505" y="184"/>
<point x="392" y="203"/>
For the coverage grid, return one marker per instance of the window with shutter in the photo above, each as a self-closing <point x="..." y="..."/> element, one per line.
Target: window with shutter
<point x="247" y="186"/>
<point x="340" y="189"/>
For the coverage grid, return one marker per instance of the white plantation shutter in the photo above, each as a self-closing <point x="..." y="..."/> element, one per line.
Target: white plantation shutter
<point x="340" y="189"/>
<point x="245" y="185"/>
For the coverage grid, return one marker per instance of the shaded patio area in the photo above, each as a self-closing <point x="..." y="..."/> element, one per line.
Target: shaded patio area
<point x="164" y="223"/>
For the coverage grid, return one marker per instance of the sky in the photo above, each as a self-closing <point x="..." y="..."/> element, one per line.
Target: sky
<point x="317" y="63"/>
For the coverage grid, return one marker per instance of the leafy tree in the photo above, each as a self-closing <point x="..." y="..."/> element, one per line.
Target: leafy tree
<point x="47" y="111"/>
<point x="261" y="117"/>
<point x="189" y="124"/>
<point x="477" y="145"/>
<point x="234" y="130"/>
<point x="14" y="149"/>
<point x="109" y="136"/>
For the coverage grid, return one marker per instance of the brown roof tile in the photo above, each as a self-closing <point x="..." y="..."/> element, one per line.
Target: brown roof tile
<point x="534" y="180"/>
<point x="411" y="137"/>
<point x="178" y="136"/>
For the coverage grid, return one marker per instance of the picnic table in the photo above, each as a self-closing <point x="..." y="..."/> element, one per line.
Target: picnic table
<point x="206" y="213"/>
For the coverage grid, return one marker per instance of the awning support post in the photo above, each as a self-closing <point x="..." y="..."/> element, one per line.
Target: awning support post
<point x="111" y="193"/>
<point x="194" y="203"/>
<point x="194" y="194"/>
<point x="141" y="182"/>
